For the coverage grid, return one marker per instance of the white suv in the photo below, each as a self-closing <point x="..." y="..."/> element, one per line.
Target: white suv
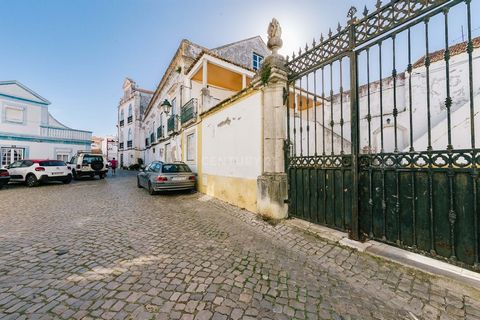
<point x="33" y="172"/>
<point x="89" y="164"/>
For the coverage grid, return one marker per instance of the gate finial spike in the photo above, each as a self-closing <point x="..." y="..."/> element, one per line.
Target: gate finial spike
<point x="378" y="4"/>
<point x="330" y="32"/>
<point x="339" y="27"/>
<point x="287" y="58"/>
<point x="306" y="47"/>
<point x="365" y="11"/>
<point x="351" y="14"/>
<point x="300" y="51"/>
<point x="321" y="37"/>
<point x="293" y="55"/>
<point x="313" y="43"/>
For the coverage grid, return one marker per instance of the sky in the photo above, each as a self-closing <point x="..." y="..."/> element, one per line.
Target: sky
<point x="77" y="53"/>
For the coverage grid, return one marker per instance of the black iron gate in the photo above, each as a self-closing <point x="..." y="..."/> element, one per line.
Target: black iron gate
<point x="382" y="128"/>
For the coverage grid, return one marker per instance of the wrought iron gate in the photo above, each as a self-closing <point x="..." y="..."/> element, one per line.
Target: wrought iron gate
<point x="382" y="128"/>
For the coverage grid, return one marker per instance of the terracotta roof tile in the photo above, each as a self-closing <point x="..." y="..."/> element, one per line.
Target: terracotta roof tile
<point x="454" y="50"/>
<point x="213" y="54"/>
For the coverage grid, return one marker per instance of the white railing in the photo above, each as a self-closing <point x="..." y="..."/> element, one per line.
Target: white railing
<point x="64" y="133"/>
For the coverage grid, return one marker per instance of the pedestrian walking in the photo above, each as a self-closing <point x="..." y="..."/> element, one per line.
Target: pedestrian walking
<point x="114" y="165"/>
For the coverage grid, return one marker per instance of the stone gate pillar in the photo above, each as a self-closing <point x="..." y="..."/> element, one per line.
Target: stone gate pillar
<point x="272" y="80"/>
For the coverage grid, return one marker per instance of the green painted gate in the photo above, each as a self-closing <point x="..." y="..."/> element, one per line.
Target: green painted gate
<point x="375" y="145"/>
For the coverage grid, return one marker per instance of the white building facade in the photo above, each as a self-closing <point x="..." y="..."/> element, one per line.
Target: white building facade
<point x="196" y="80"/>
<point x="130" y="113"/>
<point x="28" y="130"/>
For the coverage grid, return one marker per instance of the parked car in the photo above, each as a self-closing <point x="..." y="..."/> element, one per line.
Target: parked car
<point x="32" y="172"/>
<point x="160" y="176"/>
<point x="89" y="164"/>
<point x="4" y="177"/>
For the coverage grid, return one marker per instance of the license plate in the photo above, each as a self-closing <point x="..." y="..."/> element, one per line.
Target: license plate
<point x="56" y="173"/>
<point x="178" y="178"/>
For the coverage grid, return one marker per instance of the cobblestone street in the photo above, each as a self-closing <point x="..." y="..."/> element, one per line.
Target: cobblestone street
<point x="104" y="249"/>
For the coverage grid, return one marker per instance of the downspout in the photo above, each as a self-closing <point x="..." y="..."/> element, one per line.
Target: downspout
<point x="262" y="133"/>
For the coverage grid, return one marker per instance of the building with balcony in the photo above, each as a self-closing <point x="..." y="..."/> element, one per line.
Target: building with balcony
<point x="130" y="114"/>
<point x="196" y="80"/>
<point x="28" y="130"/>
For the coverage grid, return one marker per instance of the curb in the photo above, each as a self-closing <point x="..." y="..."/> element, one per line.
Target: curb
<point x="393" y="254"/>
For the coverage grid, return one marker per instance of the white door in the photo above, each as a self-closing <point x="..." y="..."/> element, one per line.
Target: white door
<point x="10" y="155"/>
<point x="168" y="151"/>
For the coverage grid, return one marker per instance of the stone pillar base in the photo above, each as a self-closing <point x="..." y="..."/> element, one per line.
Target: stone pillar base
<point x="272" y="190"/>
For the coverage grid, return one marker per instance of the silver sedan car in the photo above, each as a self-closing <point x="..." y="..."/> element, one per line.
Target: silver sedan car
<point x="161" y="176"/>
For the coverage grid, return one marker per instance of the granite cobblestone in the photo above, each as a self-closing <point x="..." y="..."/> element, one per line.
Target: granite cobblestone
<point x="188" y="256"/>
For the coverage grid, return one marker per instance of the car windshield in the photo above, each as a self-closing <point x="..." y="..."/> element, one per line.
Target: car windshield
<point x="88" y="159"/>
<point x="52" y="163"/>
<point x="174" y="168"/>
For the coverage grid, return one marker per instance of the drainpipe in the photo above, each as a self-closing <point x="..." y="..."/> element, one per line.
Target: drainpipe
<point x="262" y="134"/>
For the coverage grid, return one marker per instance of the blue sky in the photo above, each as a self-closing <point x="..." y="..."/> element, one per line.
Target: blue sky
<point x="76" y="53"/>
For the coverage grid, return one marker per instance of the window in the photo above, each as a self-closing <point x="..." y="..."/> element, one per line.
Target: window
<point x="130" y="114"/>
<point x="14" y="165"/>
<point x="27" y="163"/>
<point x="257" y="61"/>
<point x="174" y="168"/>
<point x="122" y="116"/>
<point x="52" y="163"/>
<point x="88" y="159"/>
<point x="129" y="137"/>
<point x="191" y="147"/>
<point x="14" y="114"/>
<point x="62" y="157"/>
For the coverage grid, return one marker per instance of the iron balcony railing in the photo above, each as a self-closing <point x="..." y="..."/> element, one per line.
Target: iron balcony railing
<point x="129" y="144"/>
<point x="146" y="142"/>
<point x="152" y="137"/>
<point x="130" y="119"/>
<point x="122" y="122"/>
<point x="121" y="145"/>
<point x="172" y="123"/>
<point x="189" y="110"/>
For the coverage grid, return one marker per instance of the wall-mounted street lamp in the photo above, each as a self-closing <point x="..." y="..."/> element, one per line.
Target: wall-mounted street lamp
<point x="167" y="106"/>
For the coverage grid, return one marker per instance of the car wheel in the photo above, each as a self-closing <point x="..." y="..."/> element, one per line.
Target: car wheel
<point x="92" y="176"/>
<point x="68" y="179"/>
<point x="150" y="189"/>
<point x="138" y="183"/>
<point x="31" y="181"/>
<point x="101" y="175"/>
<point x="75" y="176"/>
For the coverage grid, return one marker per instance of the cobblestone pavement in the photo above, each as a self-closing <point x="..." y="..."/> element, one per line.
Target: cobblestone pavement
<point x="104" y="249"/>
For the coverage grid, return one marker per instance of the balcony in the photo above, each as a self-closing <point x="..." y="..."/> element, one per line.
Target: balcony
<point x="122" y="122"/>
<point x="172" y="123"/>
<point x="65" y="133"/>
<point x="121" y="145"/>
<point x="129" y="144"/>
<point x="130" y="119"/>
<point x="189" y="110"/>
<point x="147" y="142"/>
